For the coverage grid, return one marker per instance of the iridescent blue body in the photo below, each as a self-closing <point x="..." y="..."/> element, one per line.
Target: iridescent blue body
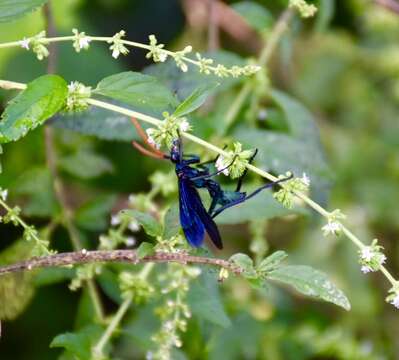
<point x="194" y="218"/>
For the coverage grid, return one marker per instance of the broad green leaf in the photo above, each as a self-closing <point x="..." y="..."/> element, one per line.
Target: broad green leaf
<point x="12" y="9"/>
<point x="151" y="225"/>
<point x="310" y="282"/>
<point x="16" y="289"/>
<point x="171" y="222"/>
<point x="79" y="343"/>
<point x="245" y="263"/>
<point x="94" y="214"/>
<point x="42" y="98"/>
<point x="195" y="100"/>
<point x="86" y="164"/>
<point x="256" y="15"/>
<point x="98" y="122"/>
<point x="36" y="185"/>
<point x="144" y="250"/>
<point x="205" y="300"/>
<point x="137" y="89"/>
<point x="272" y="261"/>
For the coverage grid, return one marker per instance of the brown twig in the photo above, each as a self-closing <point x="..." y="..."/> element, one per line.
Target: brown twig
<point x="122" y="256"/>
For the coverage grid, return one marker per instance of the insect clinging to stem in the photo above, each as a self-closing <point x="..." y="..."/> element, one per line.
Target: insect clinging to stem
<point x="193" y="175"/>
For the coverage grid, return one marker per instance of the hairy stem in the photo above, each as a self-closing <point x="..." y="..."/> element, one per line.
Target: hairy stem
<point x="123" y="308"/>
<point x="122" y="256"/>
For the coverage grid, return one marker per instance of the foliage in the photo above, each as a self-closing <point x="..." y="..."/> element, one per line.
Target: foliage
<point x="68" y="164"/>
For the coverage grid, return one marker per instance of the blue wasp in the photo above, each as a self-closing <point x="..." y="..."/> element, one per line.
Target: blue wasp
<point x="193" y="175"/>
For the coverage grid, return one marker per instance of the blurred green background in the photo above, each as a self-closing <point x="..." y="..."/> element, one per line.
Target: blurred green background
<point x="343" y="65"/>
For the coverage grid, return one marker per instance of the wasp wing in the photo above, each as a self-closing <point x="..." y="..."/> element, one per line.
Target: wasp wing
<point x="194" y="218"/>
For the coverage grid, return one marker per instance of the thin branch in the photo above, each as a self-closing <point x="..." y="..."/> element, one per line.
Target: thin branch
<point x="264" y="57"/>
<point x="121" y="256"/>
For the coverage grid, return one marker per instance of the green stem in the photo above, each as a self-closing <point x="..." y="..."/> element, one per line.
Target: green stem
<point x="264" y="57"/>
<point x="123" y="308"/>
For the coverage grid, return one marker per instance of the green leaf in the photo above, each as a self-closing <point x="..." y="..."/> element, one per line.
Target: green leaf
<point x="94" y="214"/>
<point x="79" y="343"/>
<point x="145" y="249"/>
<point x="16" y="289"/>
<point x="36" y="184"/>
<point x="245" y="263"/>
<point x="98" y="122"/>
<point x="195" y="100"/>
<point x="11" y="9"/>
<point x="86" y="164"/>
<point x="171" y="222"/>
<point x="151" y="225"/>
<point x="256" y="15"/>
<point x="310" y="282"/>
<point x="272" y="261"/>
<point x="137" y="89"/>
<point x="205" y="301"/>
<point x="42" y="98"/>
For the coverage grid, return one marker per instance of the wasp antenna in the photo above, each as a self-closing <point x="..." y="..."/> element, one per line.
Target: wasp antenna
<point x="144" y="136"/>
<point x="143" y="150"/>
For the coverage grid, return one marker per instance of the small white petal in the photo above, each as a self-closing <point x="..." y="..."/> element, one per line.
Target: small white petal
<point x="115" y="220"/>
<point x="4" y="194"/>
<point x="395" y="301"/>
<point x="366" y="269"/>
<point x="134" y="226"/>
<point x="130" y="241"/>
<point x="305" y="179"/>
<point x="115" y="53"/>
<point x="367" y="253"/>
<point x="25" y="43"/>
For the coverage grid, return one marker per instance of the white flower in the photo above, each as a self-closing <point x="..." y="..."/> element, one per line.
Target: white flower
<point x="150" y="139"/>
<point x="220" y="164"/>
<point x="117" y="46"/>
<point x="305" y="179"/>
<point x="184" y="125"/>
<point x="395" y="300"/>
<point x="81" y="41"/>
<point x="25" y="43"/>
<point x="115" y="220"/>
<point x="130" y="241"/>
<point x="366" y="269"/>
<point x="332" y="227"/>
<point x="134" y="226"/>
<point x="367" y="253"/>
<point x="3" y="194"/>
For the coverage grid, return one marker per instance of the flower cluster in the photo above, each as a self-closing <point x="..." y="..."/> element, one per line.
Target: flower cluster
<point x="306" y="10"/>
<point x="333" y="226"/>
<point x="80" y="41"/>
<point x="38" y="44"/>
<point x="167" y="131"/>
<point x="371" y="257"/>
<point x="174" y="311"/>
<point x="78" y="94"/>
<point x="286" y="194"/>
<point x="179" y="56"/>
<point x="205" y="67"/>
<point x="156" y="53"/>
<point x="393" y="297"/>
<point x="135" y="286"/>
<point x="234" y="163"/>
<point x="117" y="46"/>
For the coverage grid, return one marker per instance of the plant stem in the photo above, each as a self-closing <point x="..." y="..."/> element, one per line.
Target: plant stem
<point x="122" y="310"/>
<point x="264" y="57"/>
<point x="121" y="256"/>
<point x="51" y="158"/>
